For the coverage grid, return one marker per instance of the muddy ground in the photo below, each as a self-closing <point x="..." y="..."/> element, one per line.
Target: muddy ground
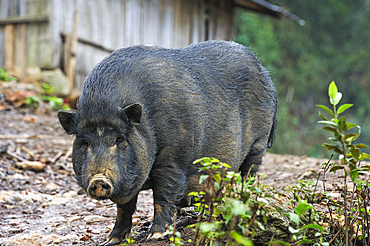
<point x="48" y="207"/>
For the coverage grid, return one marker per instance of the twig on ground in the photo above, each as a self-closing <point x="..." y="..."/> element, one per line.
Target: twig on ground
<point x="28" y="152"/>
<point x="64" y="158"/>
<point x="15" y="156"/>
<point x="56" y="157"/>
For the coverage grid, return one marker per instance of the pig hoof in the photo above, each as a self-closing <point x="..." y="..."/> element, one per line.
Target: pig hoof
<point x="156" y="235"/>
<point x="112" y="241"/>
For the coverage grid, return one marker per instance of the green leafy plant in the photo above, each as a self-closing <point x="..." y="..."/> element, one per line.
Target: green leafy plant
<point x="342" y="143"/>
<point x="361" y="212"/>
<point x="5" y="77"/>
<point x="48" y="95"/>
<point x="174" y="236"/>
<point x="129" y="241"/>
<point x="48" y="89"/>
<point x="32" y="101"/>
<point x="342" y="140"/>
<point x="223" y="212"/>
<point x="56" y="103"/>
<point x="301" y="235"/>
<point x="231" y="208"/>
<point x="304" y="189"/>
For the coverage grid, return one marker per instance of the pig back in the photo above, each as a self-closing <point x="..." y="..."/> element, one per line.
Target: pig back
<point x="209" y="99"/>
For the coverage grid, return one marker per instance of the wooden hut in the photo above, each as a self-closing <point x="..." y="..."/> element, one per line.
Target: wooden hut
<point x="75" y="34"/>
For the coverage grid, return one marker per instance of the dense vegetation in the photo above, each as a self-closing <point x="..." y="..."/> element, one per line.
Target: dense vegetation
<point x="302" y="60"/>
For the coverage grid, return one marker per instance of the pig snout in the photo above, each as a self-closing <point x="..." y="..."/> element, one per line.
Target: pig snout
<point x="100" y="187"/>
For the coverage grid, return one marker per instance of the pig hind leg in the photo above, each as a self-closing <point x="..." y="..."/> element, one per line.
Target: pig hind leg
<point x="253" y="160"/>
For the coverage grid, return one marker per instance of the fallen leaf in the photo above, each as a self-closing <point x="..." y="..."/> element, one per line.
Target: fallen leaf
<point x="74" y="218"/>
<point x="85" y="238"/>
<point x="59" y="201"/>
<point x="276" y="196"/>
<point x="94" y="218"/>
<point x="52" y="186"/>
<point x="14" y="222"/>
<point x="19" y="103"/>
<point x="70" y="194"/>
<point x="96" y="231"/>
<point x="29" y="119"/>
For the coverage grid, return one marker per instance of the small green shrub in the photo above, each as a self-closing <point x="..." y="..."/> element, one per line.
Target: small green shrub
<point x="130" y="241"/>
<point x="5" y="77"/>
<point x="175" y="236"/>
<point x="302" y="235"/>
<point x="48" y="89"/>
<point x="303" y="189"/>
<point x="230" y="211"/>
<point x="32" y="101"/>
<point x="56" y="103"/>
<point x="224" y="215"/>
<point x="342" y="142"/>
<point x="48" y="95"/>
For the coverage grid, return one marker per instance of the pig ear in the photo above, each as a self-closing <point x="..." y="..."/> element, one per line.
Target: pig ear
<point x="68" y="120"/>
<point x="133" y="113"/>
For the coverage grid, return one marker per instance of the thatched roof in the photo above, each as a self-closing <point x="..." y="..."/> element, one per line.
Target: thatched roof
<point x="267" y="8"/>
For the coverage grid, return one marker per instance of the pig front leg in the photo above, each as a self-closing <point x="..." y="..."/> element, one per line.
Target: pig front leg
<point x="168" y="184"/>
<point x="123" y="224"/>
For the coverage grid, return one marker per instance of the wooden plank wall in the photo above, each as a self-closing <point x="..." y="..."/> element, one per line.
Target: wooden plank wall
<point x="105" y="25"/>
<point x="221" y="20"/>
<point x="122" y="23"/>
<point x="25" y="39"/>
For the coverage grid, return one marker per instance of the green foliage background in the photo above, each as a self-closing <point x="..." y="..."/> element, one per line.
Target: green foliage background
<point x="303" y="60"/>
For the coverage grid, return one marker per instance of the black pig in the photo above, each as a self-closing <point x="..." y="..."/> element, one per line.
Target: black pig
<point x="146" y="113"/>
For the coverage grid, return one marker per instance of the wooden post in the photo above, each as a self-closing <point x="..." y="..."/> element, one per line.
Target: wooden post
<point x="22" y="53"/>
<point x="9" y="46"/>
<point x="71" y="49"/>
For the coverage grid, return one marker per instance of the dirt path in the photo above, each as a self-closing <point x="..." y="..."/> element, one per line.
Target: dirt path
<point x="46" y="207"/>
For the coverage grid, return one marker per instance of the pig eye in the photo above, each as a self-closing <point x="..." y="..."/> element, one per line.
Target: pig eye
<point x="84" y="142"/>
<point x="120" y="139"/>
